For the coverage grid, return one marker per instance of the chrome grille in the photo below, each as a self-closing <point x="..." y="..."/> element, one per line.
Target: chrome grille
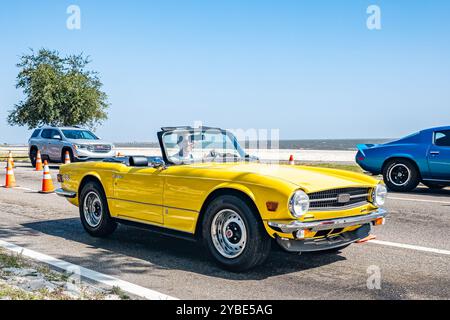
<point x="342" y="198"/>
<point x="100" y="148"/>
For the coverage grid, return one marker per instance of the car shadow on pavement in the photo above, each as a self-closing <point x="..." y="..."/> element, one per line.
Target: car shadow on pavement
<point x="151" y="251"/>
<point x="428" y="191"/>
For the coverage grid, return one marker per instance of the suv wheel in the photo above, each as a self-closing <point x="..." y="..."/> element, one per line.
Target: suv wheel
<point x="33" y="155"/>
<point x="63" y="156"/>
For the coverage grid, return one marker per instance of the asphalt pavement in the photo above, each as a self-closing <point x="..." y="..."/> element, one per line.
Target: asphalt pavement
<point x="409" y="260"/>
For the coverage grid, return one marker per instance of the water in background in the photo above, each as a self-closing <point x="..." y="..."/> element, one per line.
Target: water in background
<point x="315" y="144"/>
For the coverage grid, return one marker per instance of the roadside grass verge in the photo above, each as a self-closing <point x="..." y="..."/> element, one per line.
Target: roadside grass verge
<point x="331" y="165"/>
<point x="11" y="283"/>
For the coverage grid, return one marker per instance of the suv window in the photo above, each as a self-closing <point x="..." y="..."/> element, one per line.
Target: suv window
<point x="47" y="133"/>
<point x="35" y="133"/>
<point x="442" y="138"/>
<point x="79" y="134"/>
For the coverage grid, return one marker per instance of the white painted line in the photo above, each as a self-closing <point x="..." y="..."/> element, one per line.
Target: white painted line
<point x="87" y="273"/>
<point x="418" y="200"/>
<point x="23" y="188"/>
<point x="409" y="246"/>
<point x="28" y="189"/>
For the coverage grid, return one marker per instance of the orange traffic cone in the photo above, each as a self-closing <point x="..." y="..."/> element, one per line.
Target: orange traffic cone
<point x="38" y="161"/>
<point x="291" y="160"/>
<point x="10" y="179"/>
<point x="10" y="158"/>
<point x="47" y="182"/>
<point x="67" y="158"/>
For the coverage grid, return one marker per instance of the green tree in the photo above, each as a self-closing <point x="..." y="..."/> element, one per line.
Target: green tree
<point x="58" y="91"/>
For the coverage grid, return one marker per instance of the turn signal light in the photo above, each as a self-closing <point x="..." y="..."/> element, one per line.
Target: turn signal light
<point x="379" y="222"/>
<point x="272" y="206"/>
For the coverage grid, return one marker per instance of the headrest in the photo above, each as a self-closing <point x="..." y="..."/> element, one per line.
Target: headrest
<point x="138" y="161"/>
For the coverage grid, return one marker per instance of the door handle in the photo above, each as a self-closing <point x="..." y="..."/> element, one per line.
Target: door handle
<point x="434" y="153"/>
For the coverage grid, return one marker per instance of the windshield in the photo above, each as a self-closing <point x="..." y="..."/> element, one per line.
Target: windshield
<point x="79" y="135"/>
<point x="189" y="146"/>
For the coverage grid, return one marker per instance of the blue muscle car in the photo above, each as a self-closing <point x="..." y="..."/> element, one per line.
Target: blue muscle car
<point x="420" y="157"/>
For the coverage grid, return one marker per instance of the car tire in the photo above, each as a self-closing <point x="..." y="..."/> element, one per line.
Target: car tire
<point x="63" y="156"/>
<point x="94" y="211"/>
<point x="434" y="186"/>
<point x="33" y="156"/>
<point x="234" y="234"/>
<point x="401" y="175"/>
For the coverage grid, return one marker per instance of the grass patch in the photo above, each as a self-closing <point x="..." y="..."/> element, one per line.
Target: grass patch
<point x="330" y="165"/>
<point x="11" y="260"/>
<point x="120" y="293"/>
<point x="12" y="293"/>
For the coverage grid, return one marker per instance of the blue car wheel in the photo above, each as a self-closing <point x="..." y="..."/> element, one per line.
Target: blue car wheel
<point x="401" y="175"/>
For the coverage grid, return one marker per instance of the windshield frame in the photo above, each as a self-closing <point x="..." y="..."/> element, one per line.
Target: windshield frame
<point x="232" y="137"/>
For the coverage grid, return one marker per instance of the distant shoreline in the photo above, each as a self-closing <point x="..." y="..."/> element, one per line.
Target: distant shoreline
<point x="303" y="144"/>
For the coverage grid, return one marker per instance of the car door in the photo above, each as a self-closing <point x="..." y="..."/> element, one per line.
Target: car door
<point x="45" y="142"/>
<point x="138" y="194"/>
<point x="54" y="145"/>
<point x="439" y="155"/>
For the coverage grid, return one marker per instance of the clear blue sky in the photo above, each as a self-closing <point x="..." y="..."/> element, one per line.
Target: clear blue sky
<point x="310" y="68"/>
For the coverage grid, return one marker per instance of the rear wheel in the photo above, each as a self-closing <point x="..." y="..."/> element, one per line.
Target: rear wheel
<point x="401" y="175"/>
<point x="234" y="235"/>
<point x="94" y="212"/>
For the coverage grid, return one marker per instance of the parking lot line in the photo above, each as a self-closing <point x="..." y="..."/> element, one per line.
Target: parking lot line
<point x="410" y="246"/>
<point x="28" y="189"/>
<point x="418" y="200"/>
<point x="87" y="273"/>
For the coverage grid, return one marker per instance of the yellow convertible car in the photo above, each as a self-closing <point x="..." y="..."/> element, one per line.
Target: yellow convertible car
<point x="205" y="187"/>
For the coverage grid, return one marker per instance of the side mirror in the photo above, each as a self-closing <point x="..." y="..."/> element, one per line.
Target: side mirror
<point x="57" y="137"/>
<point x="158" y="163"/>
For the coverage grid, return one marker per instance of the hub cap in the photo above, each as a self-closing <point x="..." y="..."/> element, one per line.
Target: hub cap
<point x="92" y="208"/>
<point x="228" y="233"/>
<point x="399" y="174"/>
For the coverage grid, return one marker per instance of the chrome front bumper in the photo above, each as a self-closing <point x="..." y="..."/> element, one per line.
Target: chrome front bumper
<point x="66" y="194"/>
<point x="328" y="224"/>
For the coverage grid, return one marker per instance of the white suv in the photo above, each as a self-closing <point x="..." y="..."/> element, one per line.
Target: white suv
<point x="82" y="145"/>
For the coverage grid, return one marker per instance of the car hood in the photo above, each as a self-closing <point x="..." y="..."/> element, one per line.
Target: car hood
<point x="88" y="142"/>
<point x="311" y="179"/>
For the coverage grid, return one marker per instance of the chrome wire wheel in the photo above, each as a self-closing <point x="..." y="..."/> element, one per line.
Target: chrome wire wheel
<point x="399" y="174"/>
<point x="92" y="209"/>
<point x="228" y="233"/>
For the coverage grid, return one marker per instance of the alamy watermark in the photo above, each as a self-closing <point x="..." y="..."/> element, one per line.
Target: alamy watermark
<point x="73" y="22"/>
<point x="374" y="279"/>
<point x="374" y="19"/>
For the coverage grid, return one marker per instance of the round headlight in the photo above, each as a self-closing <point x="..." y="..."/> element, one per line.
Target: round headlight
<point x="299" y="203"/>
<point x="379" y="195"/>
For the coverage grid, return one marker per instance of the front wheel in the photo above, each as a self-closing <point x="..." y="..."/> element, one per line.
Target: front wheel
<point x="63" y="156"/>
<point x="33" y="156"/>
<point x="401" y="175"/>
<point x="234" y="234"/>
<point x="94" y="212"/>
